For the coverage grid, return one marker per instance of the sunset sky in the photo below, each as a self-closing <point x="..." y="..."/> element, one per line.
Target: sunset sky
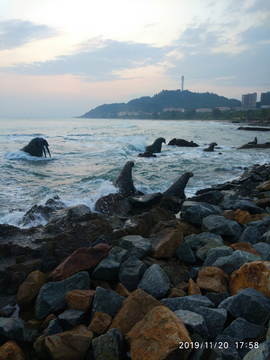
<point x="63" y="58"/>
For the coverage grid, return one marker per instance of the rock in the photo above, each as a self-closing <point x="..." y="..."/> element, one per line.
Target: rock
<point x="213" y="279"/>
<point x="52" y="296"/>
<point x="193" y="273"/>
<point x="70" y="318"/>
<point x="263" y="249"/>
<point x="175" y="292"/>
<point x="144" y="201"/>
<point x="244" y="246"/>
<point x="166" y="242"/>
<point x="109" y="346"/>
<point x="197" y="241"/>
<point x="249" y="235"/>
<point x="121" y="290"/>
<point x="147" y="154"/>
<point x="254" y="275"/>
<point x="131" y="272"/>
<point x="259" y="352"/>
<point x="240" y="329"/>
<point x="107" y="301"/>
<point x="246" y="205"/>
<point x="265" y="186"/>
<point x="214" y="319"/>
<point x="158" y="336"/>
<point x="46" y="322"/>
<point x="191" y="302"/>
<point x="249" y="304"/>
<point x="233" y="262"/>
<point x="242" y="217"/>
<point x="211" y="244"/>
<point x="216" y="298"/>
<point x="155" y="275"/>
<point x="215" y="253"/>
<point x="136" y="245"/>
<point x="80" y="299"/>
<point x="107" y="269"/>
<point x="30" y="288"/>
<point x="185" y="253"/>
<point x="228" y="349"/>
<point x="202" y="350"/>
<point x="11" y="351"/>
<point x="81" y="259"/>
<point x="210" y="197"/>
<point x="229" y="230"/>
<point x="195" y="214"/>
<point x="194" y="323"/>
<point x="133" y="309"/>
<point x="14" y="329"/>
<point x="193" y="288"/>
<point x="100" y="322"/>
<point x="69" y="345"/>
<point x="69" y="213"/>
<point x="53" y="328"/>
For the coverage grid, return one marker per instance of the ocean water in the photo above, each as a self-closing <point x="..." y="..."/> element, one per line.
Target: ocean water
<point x="88" y="154"/>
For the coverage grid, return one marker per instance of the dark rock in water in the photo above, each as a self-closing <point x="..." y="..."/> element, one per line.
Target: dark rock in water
<point x="113" y="204"/>
<point x="107" y="301"/>
<point x="147" y="154"/>
<point x="249" y="304"/>
<point x="110" y="346"/>
<point x="131" y="272"/>
<point x="182" y="143"/>
<point x="254" y="128"/>
<point x="255" y="146"/>
<point x="144" y="201"/>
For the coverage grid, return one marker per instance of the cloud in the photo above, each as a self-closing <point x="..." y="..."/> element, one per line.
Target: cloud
<point x="16" y="33"/>
<point x="95" y="61"/>
<point x="255" y="35"/>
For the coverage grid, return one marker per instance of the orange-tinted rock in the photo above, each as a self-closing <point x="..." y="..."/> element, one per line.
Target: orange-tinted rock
<point x="34" y="324"/>
<point x="255" y="274"/>
<point x="242" y="217"/>
<point x="81" y="259"/>
<point x="175" y="292"/>
<point x="264" y="203"/>
<point x="121" y="290"/>
<point x="80" y="299"/>
<point x="228" y="214"/>
<point x="69" y="345"/>
<point x="257" y="217"/>
<point x="40" y="348"/>
<point x="193" y="288"/>
<point x="11" y="351"/>
<point x="166" y="242"/>
<point x="264" y="186"/>
<point x="247" y="247"/>
<point x="213" y="279"/>
<point x="133" y="309"/>
<point x="46" y="322"/>
<point x="157" y="336"/>
<point x="29" y="289"/>
<point x="100" y="322"/>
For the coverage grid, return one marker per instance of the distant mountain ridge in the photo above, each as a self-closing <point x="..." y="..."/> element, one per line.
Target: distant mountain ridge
<point x="175" y="99"/>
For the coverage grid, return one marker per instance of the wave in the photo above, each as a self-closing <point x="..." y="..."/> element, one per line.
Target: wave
<point x="21" y="155"/>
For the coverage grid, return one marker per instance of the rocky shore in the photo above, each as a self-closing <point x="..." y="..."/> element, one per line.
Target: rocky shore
<point x="145" y="277"/>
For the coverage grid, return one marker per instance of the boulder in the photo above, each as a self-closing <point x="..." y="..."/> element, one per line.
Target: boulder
<point x="246" y="205"/>
<point x="249" y="304"/>
<point x="185" y="253"/>
<point x="107" y="301"/>
<point x="69" y="345"/>
<point x="100" y="322"/>
<point x="14" y="329"/>
<point x="52" y="296"/>
<point x="259" y="352"/>
<point x="195" y="214"/>
<point x="133" y="309"/>
<point x="254" y="275"/>
<point x="215" y="253"/>
<point x="193" y="288"/>
<point x="250" y="235"/>
<point x="214" y="319"/>
<point x="197" y="241"/>
<point x="136" y="245"/>
<point x="210" y="197"/>
<point x="155" y="282"/>
<point x="229" y="230"/>
<point x="213" y="279"/>
<point x="11" y="351"/>
<point x="80" y="299"/>
<point x="53" y="328"/>
<point x="159" y="335"/>
<point x="193" y="322"/>
<point x="166" y="242"/>
<point x="263" y="250"/>
<point x="29" y="289"/>
<point x="240" y="329"/>
<point x="131" y="272"/>
<point x="211" y="244"/>
<point x="113" y="204"/>
<point x="191" y="302"/>
<point x="242" y="217"/>
<point x="81" y="259"/>
<point x="70" y="318"/>
<point x="244" y="246"/>
<point x="109" y="346"/>
<point x="216" y="298"/>
<point x="107" y="269"/>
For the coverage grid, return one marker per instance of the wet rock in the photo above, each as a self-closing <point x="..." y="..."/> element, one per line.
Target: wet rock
<point x="110" y="346"/>
<point x="136" y="245"/>
<point x="133" y="310"/>
<point x="30" y="288"/>
<point x="80" y="299"/>
<point x="131" y="272"/>
<point x="213" y="279"/>
<point x="69" y="345"/>
<point x="81" y="259"/>
<point x="52" y="296"/>
<point x="70" y="318"/>
<point x="185" y="253"/>
<point x="240" y="329"/>
<point x="100" y="322"/>
<point x="195" y="214"/>
<point x="249" y="304"/>
<point x="155" y="275"/>
<point x="11" y="351"/>
<point x="113" y="204"/>
<point x="228" y="229"/>
<point x="182" y="143"/>
<point x="107" y="301"/>
<point x="190" y="303"/>
<point x="166" y="242"/>
<point x="145" y="201"/>
<point x="194" y="323"/>
<point x="158" y="335"/>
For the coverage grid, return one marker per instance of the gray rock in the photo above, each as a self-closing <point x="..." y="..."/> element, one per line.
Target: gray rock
<point x="216" y="298"/>
<point x="241" y="329"/>
<point x="249" y="304"/>
<point x="70" y="212"/>
<point x="191" y="302"/>
<point x="215" y="253"/>
<point x="198" y="241"/>
<point x="53" y="328"/>
<point x="136" y="245"/>
<point x="131" y="272"/>
<point x="194" y="323"/>
<point x="155" y="282"/>
<point x="263" y="249"/>
<point x="120" y="254"/>
<point x="244" y="205"/>
<point x="219" y="225"/>
<point x="210" y="197"/>
<point x="52" y="296"/>
<point x="14" y="329"/>
<point x="107" y="301"/>
<point x="70" y="318"/>
<point x="266" y="237"/>
<point x="214" y="319"/>
<point x="203" y="251"/>
<point x="185" y="253"/>
<point x="193" y="273"/>
<point x="233" y="262"/>
<point x="259" y="224"/>
<point x="250" y="235"/>
<point x="259" y="352"/>
<point x="107" y="269"/>
<point x="109" y="346"/>
<point x="196" y="213"/>
<point x="226" y="347"/>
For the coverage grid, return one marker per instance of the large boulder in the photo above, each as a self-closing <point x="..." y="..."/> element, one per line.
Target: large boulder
<point x="109" y="346"/>
<point x="166" y="242"/>
<point x="107" y="301"/>
<point x="229" y="230"/>
<point x="80" y="299"/>
<point x="194" y="323"/>
<point x="195" y="214"/>
<point x="30" y="288"/>
<point x="155" y="282"/>
<point x="135" y="245"/>
<point x="11" y="351"/>
<point x="213" y="279"/>
<point x="131" y="272"/>
<point x="14" y="329"/>
<point x="191" y="302"/>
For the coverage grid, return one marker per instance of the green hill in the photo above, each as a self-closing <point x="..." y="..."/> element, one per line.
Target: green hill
<point x="145" y="106"/>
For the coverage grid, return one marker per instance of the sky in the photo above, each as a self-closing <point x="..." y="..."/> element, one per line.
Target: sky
<point x="63" y="58"/>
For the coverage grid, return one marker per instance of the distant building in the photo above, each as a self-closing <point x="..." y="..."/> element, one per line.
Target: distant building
<point x="223" y="108"/>
<point x="265" y="99"/>
<point x="203" y="110"/>
<point x="174" y="109"/>
<point x="182" y="83"/>
<point x="249" y="101"/>
<point x="129" y="113"/>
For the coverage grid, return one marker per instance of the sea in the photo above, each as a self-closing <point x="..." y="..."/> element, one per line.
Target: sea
<point x="88" y="154"/>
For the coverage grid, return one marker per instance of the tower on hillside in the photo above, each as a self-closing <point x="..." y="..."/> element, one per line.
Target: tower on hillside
<point x="182" y="83"/>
